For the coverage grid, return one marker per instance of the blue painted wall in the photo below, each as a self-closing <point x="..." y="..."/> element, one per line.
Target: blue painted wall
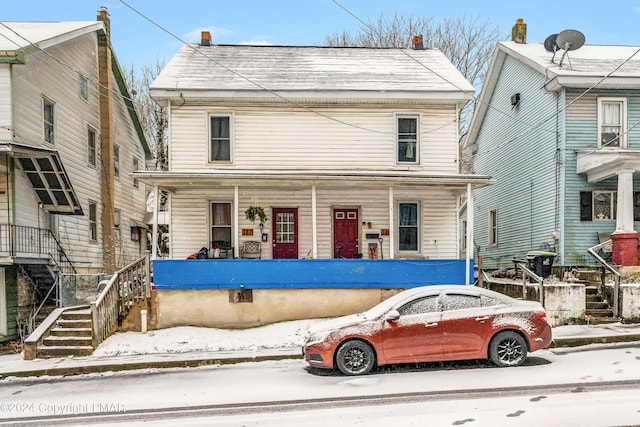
<point x="306" y="274"/>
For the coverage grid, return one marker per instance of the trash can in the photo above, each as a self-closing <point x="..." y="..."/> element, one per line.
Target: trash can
<point x="540" y="262"/>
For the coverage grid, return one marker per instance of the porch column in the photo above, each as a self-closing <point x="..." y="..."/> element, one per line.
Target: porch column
<point x="625" y="238"/>
<point x="469" y="237"/>
<point x="314" y="226"/>
<point x="236" y="222"/>
<point x="392" y="244"/>
<point x="154" y="225"/>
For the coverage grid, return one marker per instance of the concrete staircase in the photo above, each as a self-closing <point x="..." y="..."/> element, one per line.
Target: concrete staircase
<point x="71" y="336"/>
<point x="598" y="311"/>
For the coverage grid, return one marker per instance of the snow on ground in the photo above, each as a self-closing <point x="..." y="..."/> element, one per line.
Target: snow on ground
<point x="185" y="339"/>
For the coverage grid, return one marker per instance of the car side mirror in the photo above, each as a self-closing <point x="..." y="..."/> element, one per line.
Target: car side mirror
<point x="392" y="316"/>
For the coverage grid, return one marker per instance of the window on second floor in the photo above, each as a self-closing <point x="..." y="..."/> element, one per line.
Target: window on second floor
<point x="407" y="133"/>
<point x="220" y="139"/>
<point x="612" y="122"/>
<point x="93" y="221"/>
<point x="92" y="154"/>
<point x="48" y="121"/>
<point x="493" y="227"/>
<point x="408" y="226"/>
<point x="84" y="88"/>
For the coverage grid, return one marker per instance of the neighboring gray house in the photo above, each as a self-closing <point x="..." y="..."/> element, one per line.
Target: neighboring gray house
<point x="559" y="133"/>
<point x="69" y="140"/>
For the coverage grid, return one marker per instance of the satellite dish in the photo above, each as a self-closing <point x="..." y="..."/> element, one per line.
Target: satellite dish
<point x="570" y="40"/>
<point x="550" y="43"/>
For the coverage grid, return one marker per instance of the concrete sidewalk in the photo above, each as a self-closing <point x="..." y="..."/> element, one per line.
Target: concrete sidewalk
<point x="14" y="365"/>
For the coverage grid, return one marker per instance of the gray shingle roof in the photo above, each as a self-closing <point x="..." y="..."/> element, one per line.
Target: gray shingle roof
<point x="18" y="35"/>
<point x="298" y="68"/>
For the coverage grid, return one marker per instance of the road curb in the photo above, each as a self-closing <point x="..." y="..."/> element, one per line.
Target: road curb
<point x="129" y="366"/>
<point x="604" y="339"/>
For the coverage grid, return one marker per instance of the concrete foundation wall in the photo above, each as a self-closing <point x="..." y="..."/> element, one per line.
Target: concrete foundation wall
<point x="564" y="302"/>
<point x="630" y="304"/>
<point x="212" y="307"/>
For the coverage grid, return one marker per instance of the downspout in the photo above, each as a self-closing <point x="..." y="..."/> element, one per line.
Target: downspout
<point x="314" y="222"/>
<point x="154" y="230"/>
<point x="391" y="226"/>
<point x="469" y="254"/>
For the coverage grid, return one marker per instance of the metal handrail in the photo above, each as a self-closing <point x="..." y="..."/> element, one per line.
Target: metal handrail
<point x="535" y="277"/>
<point x="616" y="275"/>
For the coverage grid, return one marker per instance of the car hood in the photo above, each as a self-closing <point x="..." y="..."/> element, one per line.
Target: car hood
<point x="337" y="323"/>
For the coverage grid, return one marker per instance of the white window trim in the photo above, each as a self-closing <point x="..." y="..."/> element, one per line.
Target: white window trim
<point x="117" y="164"/>
<point x="463" y="242"/>
<point x="614" y="197"/>
<point x="210" y="219"/>
<point x="136" y="167"/>
<point x="493" y="213"/>
<point x="624" y="124"/>
<point x="95" y="221"/>
<point x="419" y="226"/>
<point x="231" y="137"/>
<point x="418" y="118"/>
<point x="83" y="82"/>
<point x="95" y="147"/>
<point x="53" y="124"/>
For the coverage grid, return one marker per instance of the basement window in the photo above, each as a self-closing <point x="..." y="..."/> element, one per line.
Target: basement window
<point x="240" y="295"/>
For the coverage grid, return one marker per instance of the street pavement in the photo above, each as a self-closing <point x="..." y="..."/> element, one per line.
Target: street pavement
<point x="13" y="365"/>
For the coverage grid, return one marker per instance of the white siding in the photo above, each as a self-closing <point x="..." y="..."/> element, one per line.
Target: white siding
<point x="42" y="75"/>
<point x="5" y="102"/>
<point x="190" y="217"/>
<point x="290" y="137"/>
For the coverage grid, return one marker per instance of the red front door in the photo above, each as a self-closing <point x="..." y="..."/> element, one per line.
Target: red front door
<point x="285" y="233"/>
<point x="345" y="233"/>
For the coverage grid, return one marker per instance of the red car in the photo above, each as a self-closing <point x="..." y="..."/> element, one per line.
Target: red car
<point x="431" y="323"/>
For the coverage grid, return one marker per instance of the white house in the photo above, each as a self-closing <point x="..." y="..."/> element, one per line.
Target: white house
<point x="349" y="152"/>
<point x="69" y="140"/>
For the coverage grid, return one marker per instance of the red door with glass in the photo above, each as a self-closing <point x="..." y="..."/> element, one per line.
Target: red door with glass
<point x="345" y="232"/>
<point x="285" y="233"/>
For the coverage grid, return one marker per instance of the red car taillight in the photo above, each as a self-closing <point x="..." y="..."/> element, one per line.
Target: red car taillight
<point x="543" y="315"/>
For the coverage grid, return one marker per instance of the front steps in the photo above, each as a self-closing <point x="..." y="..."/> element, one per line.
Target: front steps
<point x="598" y="310"/>
<point x="71" y="336"/>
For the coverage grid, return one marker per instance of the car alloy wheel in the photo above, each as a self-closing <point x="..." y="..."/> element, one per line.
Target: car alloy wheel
<point x="355" y="358"/>
<point x="508" y="349"/>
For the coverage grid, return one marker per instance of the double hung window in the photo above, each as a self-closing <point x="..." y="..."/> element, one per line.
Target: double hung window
<point x="220" y="139"/>
<point x="407" y="134"/>
<point x="612" y="122"/>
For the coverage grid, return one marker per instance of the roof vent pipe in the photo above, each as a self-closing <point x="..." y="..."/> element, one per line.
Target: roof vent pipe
<point x="205" y="38"/>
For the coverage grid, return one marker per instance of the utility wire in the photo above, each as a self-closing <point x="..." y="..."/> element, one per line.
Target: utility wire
<point x="266" y="89"/>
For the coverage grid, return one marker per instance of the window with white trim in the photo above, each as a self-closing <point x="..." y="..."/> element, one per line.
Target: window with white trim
<point x="407" y="130"/>
<point x="612" y="122"/>
<point x="93" y="221"/>
<point x="408" y="226"/>
<point x="92" y="154"/>
<point x="136" y="166"/>
<point x="48" y="115"/>
<point x="220" y="138"/>
<point x="220" y="225"/>
<point x="84" y="88"/>
<point x="493" y="227"/>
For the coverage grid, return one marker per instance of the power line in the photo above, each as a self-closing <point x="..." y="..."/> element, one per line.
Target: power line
<point x="266" y="89"/>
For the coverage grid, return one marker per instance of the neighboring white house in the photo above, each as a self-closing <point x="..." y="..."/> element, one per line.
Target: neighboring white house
<point x="63" y="100"/>
<point x="350" y="152"/>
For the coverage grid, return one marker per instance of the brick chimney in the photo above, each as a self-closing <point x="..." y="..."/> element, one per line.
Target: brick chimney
<point x="205" y="38"/>
<point x="519" y="32"/>
<point x="417" y="43"/>
<point x="107" y="143"/>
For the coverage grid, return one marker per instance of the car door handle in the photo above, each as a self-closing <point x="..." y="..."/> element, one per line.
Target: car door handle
<point x="480" y="319"/>
<point x="431" y="325"/>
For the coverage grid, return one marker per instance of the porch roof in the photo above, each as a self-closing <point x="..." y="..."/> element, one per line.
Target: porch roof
<point x="45" y="171"/>
<point x="173" y="181"/>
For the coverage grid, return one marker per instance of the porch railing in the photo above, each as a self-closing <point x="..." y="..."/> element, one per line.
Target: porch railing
<point x="126" y="287"/>
<point x="20" y="240"/>
<point x="593" y="251"/>
<point x="525" y="276"/>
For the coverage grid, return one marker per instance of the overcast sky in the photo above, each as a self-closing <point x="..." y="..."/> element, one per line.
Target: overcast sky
<point x="138" y="41"/>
